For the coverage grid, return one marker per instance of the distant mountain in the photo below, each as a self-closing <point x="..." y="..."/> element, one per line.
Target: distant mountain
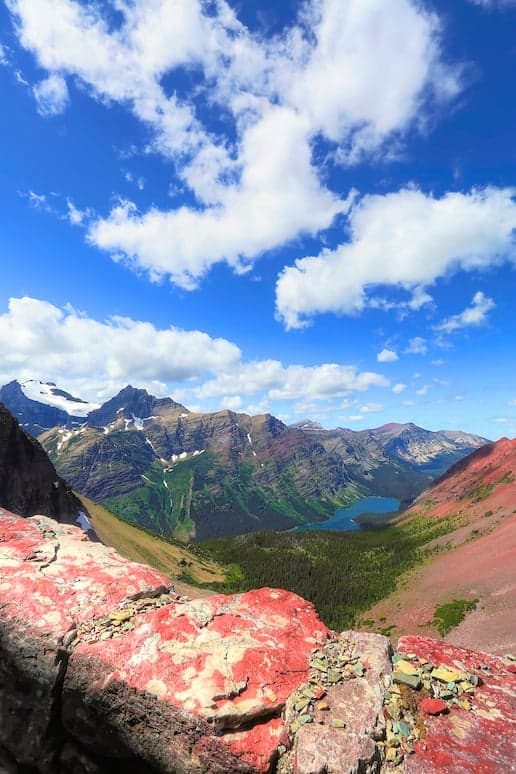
<point x="431" y="452"/>
<point x="41" y="405"/>
<point x="395" y="460"/>
<point x="198" y="475"/>
<point x="29" y="483"/>
<point x="192" y="475"/>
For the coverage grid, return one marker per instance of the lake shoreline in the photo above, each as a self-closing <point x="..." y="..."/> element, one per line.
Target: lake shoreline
<point x="366" y="513"/>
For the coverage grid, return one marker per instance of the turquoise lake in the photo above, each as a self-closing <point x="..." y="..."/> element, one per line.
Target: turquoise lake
<point x="343" y="519"/>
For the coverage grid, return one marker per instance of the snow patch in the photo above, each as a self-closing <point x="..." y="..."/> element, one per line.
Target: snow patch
<point x="64" y="436"/>
<point x="138" y="422"/>
<point x="83" y="522"/>
<point x="44" y="392"/>
<point x="249" y="439"/>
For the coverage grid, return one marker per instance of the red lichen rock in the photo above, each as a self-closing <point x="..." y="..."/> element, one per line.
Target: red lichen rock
<point x="185" y="685"/>
<point x="481" y="740"/>
<point x="433" y="706"/>
<point x="103" y="666"/>
<point x="231" y="661"/>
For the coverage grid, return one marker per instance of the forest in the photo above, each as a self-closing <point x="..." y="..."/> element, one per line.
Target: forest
<point x="342" y="573"/>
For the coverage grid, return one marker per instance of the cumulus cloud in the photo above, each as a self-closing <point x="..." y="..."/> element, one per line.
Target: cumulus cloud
<point x="398" y="388"/>
<point x="387" y="356"/>
<point x="406" y="239"/>
<point x="358" y="75"/>
<point x="95" y="358"/>
<point x="233" y="402"/>
<point x="290" y="382"/>
<point x="371" y="408"/>
<point x="473" y="315"/>
<point x="51" y="95"/>
<point x="38" y="339"/>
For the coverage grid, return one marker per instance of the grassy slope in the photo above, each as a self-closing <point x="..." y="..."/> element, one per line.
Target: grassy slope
<point x="140" y="546"/>
<point x="198" y="497"/>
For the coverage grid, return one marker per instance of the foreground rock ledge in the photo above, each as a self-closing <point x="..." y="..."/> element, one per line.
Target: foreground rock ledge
<point x="103" y="665"/>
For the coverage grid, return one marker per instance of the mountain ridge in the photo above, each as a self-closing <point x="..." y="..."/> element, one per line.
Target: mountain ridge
<point x="193" y="475"/>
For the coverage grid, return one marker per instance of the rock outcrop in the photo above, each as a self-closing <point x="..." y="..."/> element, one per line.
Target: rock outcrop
<point x="29" y="482"/>
<point x="102" y="666"/>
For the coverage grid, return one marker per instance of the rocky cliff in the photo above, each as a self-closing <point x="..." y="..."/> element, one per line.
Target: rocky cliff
<point x="103" y="667"/>
<point x="29" y="483"/>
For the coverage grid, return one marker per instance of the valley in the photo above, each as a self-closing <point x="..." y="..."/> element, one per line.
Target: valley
<point x="230" y="502"/>
<point x="193" y="476"/>
<point x="456" y="543"/>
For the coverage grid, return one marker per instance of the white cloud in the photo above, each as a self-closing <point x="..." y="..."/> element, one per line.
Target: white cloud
<point x="289" y="382"/>
<point x="371" y="408"/>
<point x="95" y="358"/>
<point x="232" y="402"/>
<point x="386" y="356"/>
<point x="406" y="239"/>
<point x="475" y="314"/>
<point x="459" y="397"/>
<point x="408" y="403"/>
<point x="4" y="60"/>
<point x="423" y="390"/>
<point x="358" y="74"/>
<point x="37" y="339"/>
<point x="417" y="346"/>
<point x="354" y="418"/>
<point x="51" y="95"/>
<point x="398" y="388"/>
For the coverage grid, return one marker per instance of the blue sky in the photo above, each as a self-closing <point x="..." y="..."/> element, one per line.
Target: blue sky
<point x="303" y="208"/>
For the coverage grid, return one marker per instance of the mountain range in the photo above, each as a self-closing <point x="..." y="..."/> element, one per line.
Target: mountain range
<point x="195" y="475"/>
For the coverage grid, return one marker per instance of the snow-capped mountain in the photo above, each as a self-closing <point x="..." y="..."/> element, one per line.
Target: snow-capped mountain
<point x="42" y="405"/>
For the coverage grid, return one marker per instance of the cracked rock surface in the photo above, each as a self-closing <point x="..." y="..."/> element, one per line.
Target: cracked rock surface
<point x="104" y="667"/>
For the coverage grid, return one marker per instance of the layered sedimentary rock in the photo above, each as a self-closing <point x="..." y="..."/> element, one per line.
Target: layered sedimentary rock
<point x="103" y="665"/>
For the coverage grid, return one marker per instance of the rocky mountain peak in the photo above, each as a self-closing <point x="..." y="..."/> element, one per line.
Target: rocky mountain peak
<point x="41" y="405"/>
<point x="129" y="403"/>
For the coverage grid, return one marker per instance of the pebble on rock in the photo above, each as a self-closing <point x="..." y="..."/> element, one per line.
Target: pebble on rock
<point x="433" y="706"/>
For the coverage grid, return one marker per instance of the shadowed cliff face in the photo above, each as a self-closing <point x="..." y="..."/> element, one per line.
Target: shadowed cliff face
<point x="29" y="483"/>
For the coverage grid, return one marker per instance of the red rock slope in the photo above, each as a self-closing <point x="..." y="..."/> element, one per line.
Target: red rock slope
<point x="104" y="668"/>
<point x="480" y="492"/>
